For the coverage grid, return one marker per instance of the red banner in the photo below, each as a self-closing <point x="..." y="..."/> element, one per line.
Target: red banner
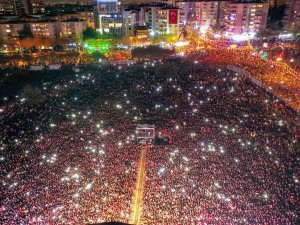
<point x="173" y="16"/>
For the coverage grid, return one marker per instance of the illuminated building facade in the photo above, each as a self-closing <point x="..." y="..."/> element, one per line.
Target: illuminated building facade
<point x="87" y="16"/>
<point x="187" y="13"/>
<point x="210" y="14"/>
<point x="45" y="29"/>
<point x="10" y="31"/>
<point x="246" y="17"/>
<point x="72" y="28"/>
<point x="277" y="3"/>
<point x="202" y="14"/>
<point x="163" y="20"/>
<point x="291" y="18"/>
<point x="130" y="18"/>
<point x="141" y="32"/>
<point x="108" y="17"/>
<point x="33" y="7"/>
<point x="10" y="7"/>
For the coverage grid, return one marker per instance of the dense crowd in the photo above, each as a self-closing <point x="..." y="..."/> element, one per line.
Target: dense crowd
<point x="228" y="161"/>
<point x="231" y="156"/>
<point x="279" y="77"/>
<point x="65" y="58"/>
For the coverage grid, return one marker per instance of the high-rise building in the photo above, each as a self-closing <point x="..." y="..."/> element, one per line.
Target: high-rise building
<point x="246" y="17"/>
<point x="108" y="17"/>
<point x="10" y="7"/>
<point x="187" y="13"/>
<point x="45" y="29"/>
<point x="277" y="3"/>
<point x="133" y="16"/>
<point x="10" y="30"/>
<point x="130" y="18"/>
<point x="291" y="18"/>
<point x="33" y="7"/>
<point x="210" y="14"/>
<point x="89" y="17"/>
<point x="164" y="20"/>
<point x="72" y="28"/>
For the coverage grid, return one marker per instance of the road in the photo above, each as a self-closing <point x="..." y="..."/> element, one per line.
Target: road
<point x="139" y="188"/>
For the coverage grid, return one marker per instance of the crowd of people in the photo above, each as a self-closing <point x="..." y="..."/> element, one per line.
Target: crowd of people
<point x="228" y="162"/>
<point x="231" y="157"/>
<point x="64" y="58"/>
<point x="279" y="77"/>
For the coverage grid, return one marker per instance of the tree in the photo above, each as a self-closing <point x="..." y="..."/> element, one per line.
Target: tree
<point x="156" y="40"/>
<point x="25" y="33"/>
<point x="58" y="48"/>
<point x="32" y="95"/>
<point x="27" y="43"/>
<point x="2" y="42"/>
<point x="151" y="52"/>
<point x="89" y="33"/>
<point x="276" y="14"/>
<point x="62" y="41"/>
<point x="37" y="42"/>
<point x="97" y="55"/>
<point x="46" y="42"/>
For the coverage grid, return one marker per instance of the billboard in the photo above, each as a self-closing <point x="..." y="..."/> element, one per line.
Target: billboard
<point x="173" y="16"/>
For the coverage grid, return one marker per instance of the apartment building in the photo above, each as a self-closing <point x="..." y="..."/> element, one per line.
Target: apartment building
<point x="10" y="31"/>
<point x="72" y="28"/>
<point x="45" y="29"/>
<point x="108" y="17"/>
<point x="291" y="18"/>
<point x="10" y="7"/>
<point x="245" y="17"/>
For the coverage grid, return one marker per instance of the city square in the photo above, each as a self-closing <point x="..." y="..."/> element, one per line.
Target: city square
<point x="172" y="123"/>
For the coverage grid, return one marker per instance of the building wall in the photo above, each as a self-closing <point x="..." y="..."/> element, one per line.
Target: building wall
<point x="173" y="28"/>
<point x="33" y="7"/>
<point x="130" y="21"/>
<point x="211" y="14"/>
<point x="276" y="3"/>
<point x="72" y="29"/>
<point x="291" y="18"/>
<point x="158" y="20"/>
<point x="45" y="29"/>
<point x="108" y="17"/>
<point x="246" y="17"/>
<point x="87" y="16"/>
<point x="10" y="31"/>
<point x="187" y="13"/>
<point x="10" y="7"/>
<point x="141" y="17"/>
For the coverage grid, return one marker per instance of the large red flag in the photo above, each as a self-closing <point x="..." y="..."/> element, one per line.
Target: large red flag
<point x="173" y="16"/>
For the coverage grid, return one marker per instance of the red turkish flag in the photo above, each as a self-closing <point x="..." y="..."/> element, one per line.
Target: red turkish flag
<point x="173" y="16"/>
